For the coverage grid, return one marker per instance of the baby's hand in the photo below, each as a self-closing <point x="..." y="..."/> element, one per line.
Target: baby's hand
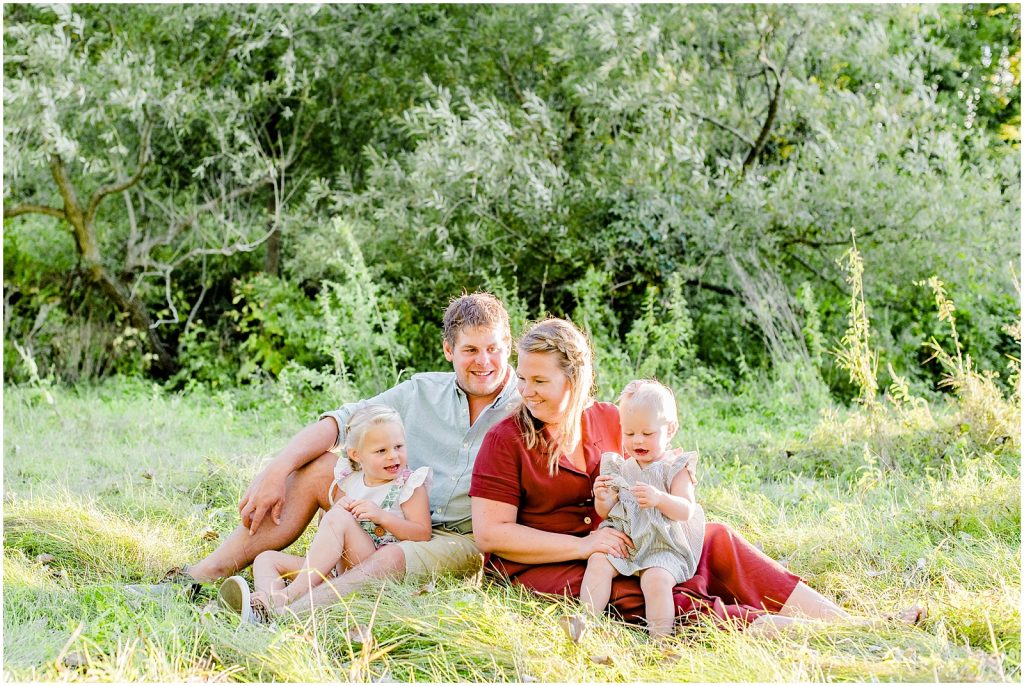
<point x="646" y="495"/>
<point x="365" y="510"/>
<point x="344" y="501"/>
<point x="603" y="487"/>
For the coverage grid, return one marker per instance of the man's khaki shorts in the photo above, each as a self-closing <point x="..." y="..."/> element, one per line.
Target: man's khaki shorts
<point x="446" y="551"/>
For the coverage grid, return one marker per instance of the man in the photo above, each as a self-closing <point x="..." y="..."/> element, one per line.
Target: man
<point x="446" y="415"/>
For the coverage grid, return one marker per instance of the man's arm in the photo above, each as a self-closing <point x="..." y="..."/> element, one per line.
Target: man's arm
<point x="265" y="496"/>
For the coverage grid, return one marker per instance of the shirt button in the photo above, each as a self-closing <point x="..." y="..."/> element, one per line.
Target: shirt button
<point x="465" y="445"/>
<point x="586" y="520"/>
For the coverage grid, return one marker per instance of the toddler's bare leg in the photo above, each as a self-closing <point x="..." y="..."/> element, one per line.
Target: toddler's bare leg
<point x="657" y="583"/>
<point x="339" y="538"/>
<point x="269" y="571"/>
<point x="597" y="583"/>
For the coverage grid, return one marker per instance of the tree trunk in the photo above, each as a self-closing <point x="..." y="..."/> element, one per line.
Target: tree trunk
<point x="272" y="261"/>
<point x="88" y="248"/>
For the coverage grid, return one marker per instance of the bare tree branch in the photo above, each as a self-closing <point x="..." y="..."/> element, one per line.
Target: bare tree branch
<point x="19" y="210"/>
<point x="779" y="73"/>
<point x="722" y="125"/>
<point x="124" y="184"/>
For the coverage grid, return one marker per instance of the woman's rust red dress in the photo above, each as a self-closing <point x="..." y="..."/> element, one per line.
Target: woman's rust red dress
<point x="734" y="582"/>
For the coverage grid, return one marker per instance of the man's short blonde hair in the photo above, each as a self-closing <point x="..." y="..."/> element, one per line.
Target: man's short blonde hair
<point x="471" y="311"/>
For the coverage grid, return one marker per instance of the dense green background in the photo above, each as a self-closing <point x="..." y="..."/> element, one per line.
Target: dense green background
<point x="222" y="194"/>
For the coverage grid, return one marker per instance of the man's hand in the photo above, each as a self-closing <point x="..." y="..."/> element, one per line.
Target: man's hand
<point x="365" y="510"/>
<point x="646" y="495"/>
<point x="264" y="496"/>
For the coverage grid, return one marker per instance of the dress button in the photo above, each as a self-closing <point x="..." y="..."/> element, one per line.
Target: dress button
<point x="586" y="520"/>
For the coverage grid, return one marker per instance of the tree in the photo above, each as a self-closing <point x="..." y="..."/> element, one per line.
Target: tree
<point x="119" y="125"/>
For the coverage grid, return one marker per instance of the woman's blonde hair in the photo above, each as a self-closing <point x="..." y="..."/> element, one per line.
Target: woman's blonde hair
<point x="571" y="348"/>
<point x="360" y="422"/>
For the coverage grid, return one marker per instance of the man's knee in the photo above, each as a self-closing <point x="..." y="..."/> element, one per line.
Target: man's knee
<point x="314" y="479"/>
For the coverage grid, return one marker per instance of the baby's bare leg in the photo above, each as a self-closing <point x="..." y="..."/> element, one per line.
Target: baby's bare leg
<point x="657" y="583"/>
<point x="339" y="538"/>
<point x="597" y="583"/>
<point x="269" y="572"/>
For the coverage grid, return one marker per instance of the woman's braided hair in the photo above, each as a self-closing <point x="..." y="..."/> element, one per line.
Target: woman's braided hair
<point x="572" y="350"/>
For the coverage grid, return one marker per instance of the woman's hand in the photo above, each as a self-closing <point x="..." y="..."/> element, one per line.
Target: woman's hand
<point x="647" y="495"/>
<point x="365" y="510"/>
<point x="264" y="496"/>
<point x="607" y="541"/>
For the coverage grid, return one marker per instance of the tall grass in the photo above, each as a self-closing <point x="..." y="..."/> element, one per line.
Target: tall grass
<point x="115" y="483"/>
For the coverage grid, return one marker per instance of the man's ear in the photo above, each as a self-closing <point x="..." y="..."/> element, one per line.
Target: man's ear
<point x="449" y="354"/>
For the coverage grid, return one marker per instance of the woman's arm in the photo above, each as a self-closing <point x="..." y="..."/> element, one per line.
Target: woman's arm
<point x="496" y="531"/>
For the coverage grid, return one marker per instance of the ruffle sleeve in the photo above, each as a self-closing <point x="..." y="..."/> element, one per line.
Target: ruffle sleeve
<point x="683" y="460"/>
<point x="611" y="465"/>
<point x="421" y="477"/>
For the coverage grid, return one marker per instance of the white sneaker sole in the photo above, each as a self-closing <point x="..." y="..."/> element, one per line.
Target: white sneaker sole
<point x="234" y="595"/>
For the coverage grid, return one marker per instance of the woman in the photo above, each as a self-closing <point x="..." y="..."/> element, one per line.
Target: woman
<point x="533" y="507"/>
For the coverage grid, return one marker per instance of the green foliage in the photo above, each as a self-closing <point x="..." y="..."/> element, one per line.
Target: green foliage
<point x="856" y="355"/>
<point x="275" y="323"/>
<point x="600" y="160"/>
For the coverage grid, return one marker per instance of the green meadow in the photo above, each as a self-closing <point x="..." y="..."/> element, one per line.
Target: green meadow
<point x="114" y="483"/>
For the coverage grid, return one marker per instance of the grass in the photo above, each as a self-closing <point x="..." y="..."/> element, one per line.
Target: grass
<point x="113" y="484"/>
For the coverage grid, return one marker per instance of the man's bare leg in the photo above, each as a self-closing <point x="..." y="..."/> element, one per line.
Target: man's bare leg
<point x="305" y="493"/>
<point x="386" y="563"/>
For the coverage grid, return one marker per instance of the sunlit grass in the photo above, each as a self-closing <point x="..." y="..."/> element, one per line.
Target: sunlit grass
<point x="154" y="479"/>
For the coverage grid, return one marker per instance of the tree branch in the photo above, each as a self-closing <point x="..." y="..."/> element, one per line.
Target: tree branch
<point x="124" y="184"/>
<point x="722" y="125"/>
<point x="773" y="103"/>
<point x="827" y="279"/>
<point x="19" y="210"/>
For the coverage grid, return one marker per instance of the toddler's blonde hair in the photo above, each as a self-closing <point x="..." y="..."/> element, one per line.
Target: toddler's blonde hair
<point x="652" y="395"/>
<point x="361" y="421"/>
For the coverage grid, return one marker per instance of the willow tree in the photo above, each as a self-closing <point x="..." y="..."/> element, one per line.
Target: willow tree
<point x="156" y="138"/>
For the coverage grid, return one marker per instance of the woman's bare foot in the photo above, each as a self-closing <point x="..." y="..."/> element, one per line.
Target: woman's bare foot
<point x="913" y="615"/>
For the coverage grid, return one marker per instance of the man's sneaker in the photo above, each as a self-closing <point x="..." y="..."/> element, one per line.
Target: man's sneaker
<point x="174" y="582"/>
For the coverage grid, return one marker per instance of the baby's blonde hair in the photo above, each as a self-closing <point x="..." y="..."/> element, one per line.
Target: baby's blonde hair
<point x="361" y="421"/>
<point x="652" y="395"/>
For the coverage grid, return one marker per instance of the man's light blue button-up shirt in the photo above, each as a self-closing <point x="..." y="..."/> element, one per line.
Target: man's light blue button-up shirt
<point x="438" y="435"/>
